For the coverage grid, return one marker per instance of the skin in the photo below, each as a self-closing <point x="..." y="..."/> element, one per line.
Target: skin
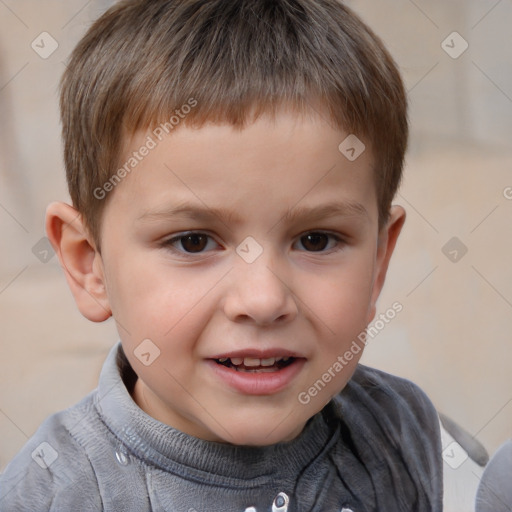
<point x="310" y="296"/>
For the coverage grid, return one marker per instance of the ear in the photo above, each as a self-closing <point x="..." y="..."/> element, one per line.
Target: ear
<point x="80" y="260"/>
<point x="388" y="236"/>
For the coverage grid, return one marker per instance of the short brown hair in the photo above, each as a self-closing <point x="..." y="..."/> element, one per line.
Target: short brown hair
<point x="237" y="59"/>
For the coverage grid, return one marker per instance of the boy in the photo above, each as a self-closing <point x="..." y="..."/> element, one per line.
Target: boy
<point x="232" y="166"/>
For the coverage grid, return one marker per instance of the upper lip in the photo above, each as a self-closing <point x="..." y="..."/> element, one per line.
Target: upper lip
<point x="258" y="353"/>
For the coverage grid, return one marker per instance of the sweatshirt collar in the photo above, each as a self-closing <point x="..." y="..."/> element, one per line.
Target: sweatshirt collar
<point x="179" y="453"/>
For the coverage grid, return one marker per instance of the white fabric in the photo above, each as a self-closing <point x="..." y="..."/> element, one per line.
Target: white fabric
<point x="461" y="483"/>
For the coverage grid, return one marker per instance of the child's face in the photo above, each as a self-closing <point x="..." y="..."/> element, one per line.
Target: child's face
<point x="280" y="188"/>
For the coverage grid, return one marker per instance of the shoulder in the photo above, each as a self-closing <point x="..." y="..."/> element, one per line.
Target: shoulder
<point x="392" y="396"/>
<point x="53" y="471"/>
<point x="394" y="429"/>
<point x="374" y="378"/>
<point x="390" y="413"/>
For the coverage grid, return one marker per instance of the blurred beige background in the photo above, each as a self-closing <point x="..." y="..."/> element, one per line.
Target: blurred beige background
<point x="453" y="336"/>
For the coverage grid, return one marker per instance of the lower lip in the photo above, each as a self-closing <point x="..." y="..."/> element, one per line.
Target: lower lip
<point x="258" y="383"/>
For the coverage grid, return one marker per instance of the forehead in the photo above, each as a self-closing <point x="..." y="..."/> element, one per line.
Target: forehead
<point x="288" y="158"/>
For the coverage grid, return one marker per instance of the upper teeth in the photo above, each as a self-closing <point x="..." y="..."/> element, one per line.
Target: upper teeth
<point x="253" y="361"/>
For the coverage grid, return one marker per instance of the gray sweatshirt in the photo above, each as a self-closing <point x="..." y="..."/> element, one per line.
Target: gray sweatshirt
<point x="374" y="447"/>
<point x="495" y="489"/>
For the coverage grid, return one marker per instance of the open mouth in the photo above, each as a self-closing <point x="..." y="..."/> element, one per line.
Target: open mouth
<point x="255" y="365"/>
<point x="257" y="372"/>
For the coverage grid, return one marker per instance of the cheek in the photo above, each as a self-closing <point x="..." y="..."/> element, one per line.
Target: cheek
<point x="152" y="300"/>
<point x="340" y="300"/>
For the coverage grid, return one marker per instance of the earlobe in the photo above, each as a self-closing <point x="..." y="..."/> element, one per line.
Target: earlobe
<point x="81" y="262"/>
<point x="388" y="237"/>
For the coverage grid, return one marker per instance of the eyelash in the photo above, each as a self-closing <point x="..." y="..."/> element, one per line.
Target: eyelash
<point x="169" y="243"/>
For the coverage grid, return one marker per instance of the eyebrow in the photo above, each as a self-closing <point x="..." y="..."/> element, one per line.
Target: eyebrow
<point x="332" y="209"/>
<point x="191" y="211"/>
<point x="203" y="213"/>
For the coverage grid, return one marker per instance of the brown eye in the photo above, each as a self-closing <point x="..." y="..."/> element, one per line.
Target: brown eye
<point x="315" y="241"/>
<point x="191" y="243"/>
<point x="194" y="242"/>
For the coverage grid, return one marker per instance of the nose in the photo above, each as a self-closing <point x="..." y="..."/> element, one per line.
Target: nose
<point x="258" y="294"/>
